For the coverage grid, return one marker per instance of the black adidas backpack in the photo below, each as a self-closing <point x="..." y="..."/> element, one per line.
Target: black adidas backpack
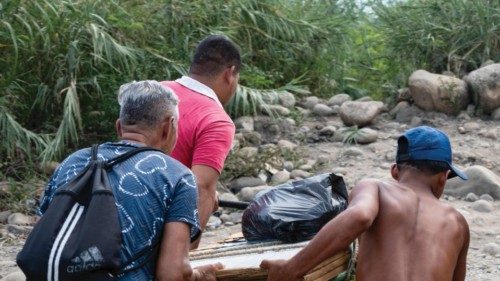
<point x="79" y="236"/>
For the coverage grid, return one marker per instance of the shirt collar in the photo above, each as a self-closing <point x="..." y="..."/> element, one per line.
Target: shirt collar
<point x="198" y="87"/>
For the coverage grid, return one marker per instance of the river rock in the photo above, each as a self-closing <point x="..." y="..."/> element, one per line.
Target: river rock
<point x="339" y="99"/>
<point x="481" y="181"/>
<point x="359" y="113"/>
<point x="323" y="160"/>
<point x="248" y="152"/>
<point x="310" y="102"/>
<point x="306" y="167"/>
<point x="471" y="127"/>
<point x="280" y="177"/>
<point x="4" y="188"/>
<point x="278" y="109"/>
<point x="288" y="165"/>
<point x="235" y="145"/>
<point x="485" y="86"/>
<point x="365" y="136"/>
<point x="328" y="131"/>
<point x="19" y="229"/>
<point x="214" y="222"/>
<point x="20" y="219"/>
<point x="253" y="138"/>
<point x="228" y="196"/>
<point x="234" y="217"/>
<point x="248" y="194"/>
<point x="482" y="206"/>
<point x="471" y="197"/>
<point x="435" y="92"/>
<point x="353" y="151"/>
<point x="400" y="106"/>
<point x="4" y="216"/>
<point x="236" y="185"/>
<point x="322" y="110"/>
<point x="286" y="99"/>
<point x="486" y="197"/>
<point x="495" y="115"/>
<point x="406" y="114"/>
<point x="286" y="145"/>
<point x="299" y="174"/>
<point x="244" y="123"/>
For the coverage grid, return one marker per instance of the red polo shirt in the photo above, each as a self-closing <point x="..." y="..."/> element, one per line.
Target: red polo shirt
<point x="205" y="131"/>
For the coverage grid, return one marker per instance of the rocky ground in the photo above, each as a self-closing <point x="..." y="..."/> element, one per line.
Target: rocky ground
<point x="318" y="142"/>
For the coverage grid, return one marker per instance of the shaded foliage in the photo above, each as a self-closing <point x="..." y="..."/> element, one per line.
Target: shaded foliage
<point x="62" y="61"/>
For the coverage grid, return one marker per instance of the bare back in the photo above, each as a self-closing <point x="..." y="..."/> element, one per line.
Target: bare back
<point x="412" y="238"/>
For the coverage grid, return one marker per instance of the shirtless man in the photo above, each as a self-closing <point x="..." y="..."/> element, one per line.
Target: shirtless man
<point x="405" y="232"/>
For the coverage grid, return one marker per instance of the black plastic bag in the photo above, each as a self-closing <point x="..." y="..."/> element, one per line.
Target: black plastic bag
<point x="296" y="211"/>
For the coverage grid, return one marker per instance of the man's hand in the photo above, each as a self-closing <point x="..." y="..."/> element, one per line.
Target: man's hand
<point x="206" y="272"/>
<point x="277" y="270"/>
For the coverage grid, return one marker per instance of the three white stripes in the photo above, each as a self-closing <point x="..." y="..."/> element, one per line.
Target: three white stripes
<point x="61" y="240"/>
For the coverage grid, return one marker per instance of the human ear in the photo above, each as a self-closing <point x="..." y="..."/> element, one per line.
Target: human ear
<point x="230" y="74"/>
<point x="168" y="125"/>
<point x="118" y="127"/>
<point x="395" y="172"/>
<point x="443" y="178"/>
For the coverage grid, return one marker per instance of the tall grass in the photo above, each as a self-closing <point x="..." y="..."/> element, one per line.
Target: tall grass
<point x="439" y="35"/>
<point x="56" y="53"/>
<point x="62" y="61"/>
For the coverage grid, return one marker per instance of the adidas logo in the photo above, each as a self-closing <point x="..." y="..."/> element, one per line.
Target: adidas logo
<point x="88" y="260"/>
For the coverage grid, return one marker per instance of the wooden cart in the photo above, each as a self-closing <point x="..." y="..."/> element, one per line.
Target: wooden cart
<point x="242" y="259"/>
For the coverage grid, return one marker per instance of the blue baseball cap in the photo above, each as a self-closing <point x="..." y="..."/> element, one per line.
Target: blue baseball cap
<point x="427" y="143"/>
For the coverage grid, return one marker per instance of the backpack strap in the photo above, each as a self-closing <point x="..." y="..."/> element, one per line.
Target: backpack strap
<point x="127" y="155"/>
<point x="93" y="152"/>
<point x="150" y="250"/>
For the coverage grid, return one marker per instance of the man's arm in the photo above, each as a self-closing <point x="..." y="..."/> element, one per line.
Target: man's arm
<point x="206" y="180"/>
<point x="334" y="237"/>
<point x="460" y="268"/>
<point x="173" y="262"/>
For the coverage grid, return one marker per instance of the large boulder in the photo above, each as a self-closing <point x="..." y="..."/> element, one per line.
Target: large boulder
<point x="485" y="85"/>
<point x="435" y="92"/>
<point x="481" y="181"/>
<point x="360" y="113"/>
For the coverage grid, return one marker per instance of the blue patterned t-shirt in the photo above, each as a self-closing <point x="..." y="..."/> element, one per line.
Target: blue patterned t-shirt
<point x="150" y="189"/>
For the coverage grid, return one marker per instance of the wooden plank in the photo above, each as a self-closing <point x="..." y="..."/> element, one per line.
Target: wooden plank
<point x="334" y="264"/>
<point x="332" y="274"/>
<point x="327" y="269"/>
<point x="242" y="260"/>
<point x="254" y="274"/>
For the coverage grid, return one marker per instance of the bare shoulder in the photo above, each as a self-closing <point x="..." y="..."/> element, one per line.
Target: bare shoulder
<point x="455" y="217"/>
<point x="366" y="185"/>
<point x="369" y="182"/>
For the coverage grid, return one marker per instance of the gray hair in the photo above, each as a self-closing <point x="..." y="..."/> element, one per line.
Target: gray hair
<point x="146" y="103"/>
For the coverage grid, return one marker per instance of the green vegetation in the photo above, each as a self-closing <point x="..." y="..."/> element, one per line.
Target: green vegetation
<point x="61" y="61"/>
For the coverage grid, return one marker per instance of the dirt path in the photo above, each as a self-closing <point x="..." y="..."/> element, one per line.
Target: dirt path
<point x="475" y="142"/>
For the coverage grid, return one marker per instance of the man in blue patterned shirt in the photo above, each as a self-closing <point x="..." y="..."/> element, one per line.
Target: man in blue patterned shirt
<point x="155" y="194"/>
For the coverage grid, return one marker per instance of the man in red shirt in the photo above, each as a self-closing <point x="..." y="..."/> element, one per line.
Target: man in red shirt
<point x="205" y="131"/>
